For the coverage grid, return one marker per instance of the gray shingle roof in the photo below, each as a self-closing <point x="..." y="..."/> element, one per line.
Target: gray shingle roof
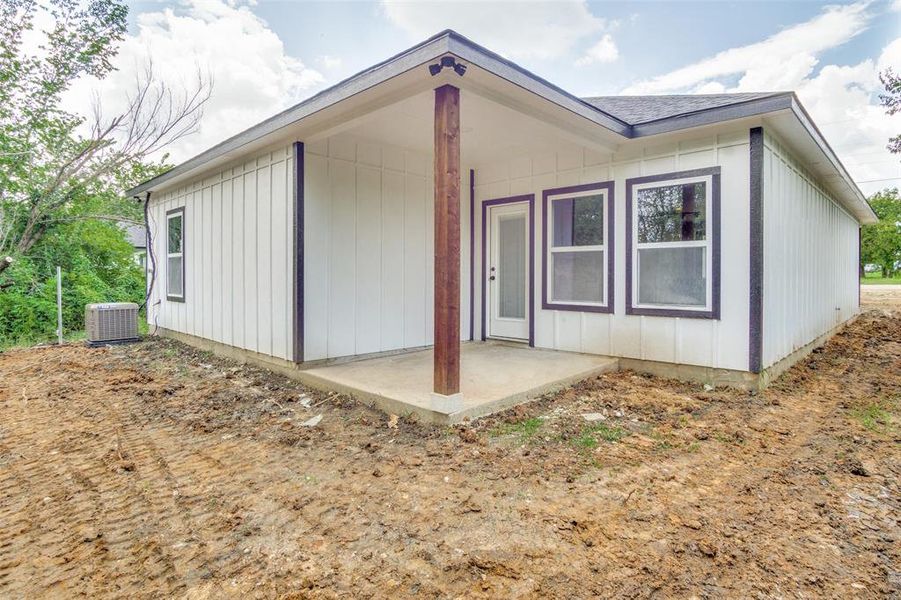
<point x="643" y="109"/>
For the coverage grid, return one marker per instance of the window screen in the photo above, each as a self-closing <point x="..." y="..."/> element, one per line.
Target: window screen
<point x="672" y="276"/>
<point x="578" y="276"/>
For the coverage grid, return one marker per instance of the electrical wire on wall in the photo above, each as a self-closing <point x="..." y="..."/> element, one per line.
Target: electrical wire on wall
<point x="148" y="232"/>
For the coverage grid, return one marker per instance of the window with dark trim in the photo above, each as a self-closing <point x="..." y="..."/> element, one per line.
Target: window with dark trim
<point x="578" y="248"/>
<point x="175" y="255"/>
<point x="672" y="254"/>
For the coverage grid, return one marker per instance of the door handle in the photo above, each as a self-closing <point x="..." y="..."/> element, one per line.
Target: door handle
<point x="491" y="278"/>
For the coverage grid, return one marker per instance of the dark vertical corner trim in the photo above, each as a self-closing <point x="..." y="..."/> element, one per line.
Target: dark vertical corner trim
<point x="298" y="251"/>
<point x="484" y="276"/>
<point x="629" y="183"/>
<point x="714" y="312"/>
<point x="755" y="286"/>
<point x="610" y="244"/>
<point x="530" y="198"/>
<point x="532" y="271"/>
<point x="859" y="264"/>
<point x="472" y="255"/>
<point x="717" y="245"/>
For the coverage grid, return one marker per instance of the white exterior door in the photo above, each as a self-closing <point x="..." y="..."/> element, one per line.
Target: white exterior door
<point x="507" y="271"/>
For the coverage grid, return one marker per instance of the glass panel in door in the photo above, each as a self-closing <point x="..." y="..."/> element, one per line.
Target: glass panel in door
<point x="511" y="275"/>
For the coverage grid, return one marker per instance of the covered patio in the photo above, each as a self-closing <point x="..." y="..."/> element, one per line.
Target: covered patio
<point x="395" y="183"/>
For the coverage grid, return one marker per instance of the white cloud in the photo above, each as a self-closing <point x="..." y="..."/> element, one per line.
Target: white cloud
<point x="253" y="77"/>
<point x="604" y="51"/>
<point x="541" y="30"/>
<point x="329" y="62"/>
<point x="780" y="60"/>
<point x="842" y="99"/>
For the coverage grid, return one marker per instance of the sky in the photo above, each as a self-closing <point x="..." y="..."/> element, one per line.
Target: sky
<point x="266" y="55"/>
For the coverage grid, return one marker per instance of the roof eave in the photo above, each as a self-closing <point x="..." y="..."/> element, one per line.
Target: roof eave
<point x="430" y="49"/>
<point x="712" y="116"/>
<point x="814" y="132"/>
<point x="468" y="50"/>
<point x="758" y="107"/>
<point x="446" y="42"/>
<point x="450" y="42"/>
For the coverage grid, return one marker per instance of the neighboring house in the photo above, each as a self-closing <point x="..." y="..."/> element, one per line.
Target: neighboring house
<point x="137" y="237"/>
<point x="446" y="194"/>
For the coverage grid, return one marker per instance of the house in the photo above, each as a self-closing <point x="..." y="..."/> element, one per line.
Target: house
<point x="448" y="199"/>
<point x="137" y="237"/>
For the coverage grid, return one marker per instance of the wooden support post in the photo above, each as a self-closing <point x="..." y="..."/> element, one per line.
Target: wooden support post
<point x="447" y="241"/>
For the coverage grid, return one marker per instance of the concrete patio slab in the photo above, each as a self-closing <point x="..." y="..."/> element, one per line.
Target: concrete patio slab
<point x="493" y="376"/>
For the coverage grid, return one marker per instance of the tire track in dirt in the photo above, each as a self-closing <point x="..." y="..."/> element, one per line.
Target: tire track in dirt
<point x="197" y="469"/>
<point x="110" y="534"/>
<point x="44" y="517"/>
<point x="712" y="494"/>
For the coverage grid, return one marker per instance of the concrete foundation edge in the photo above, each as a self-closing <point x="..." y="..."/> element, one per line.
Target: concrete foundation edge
<point x="773" y="372"/>
<point x="510" y="401"/>
<point x="743" y="380"/>
<point x="297" y="372"/>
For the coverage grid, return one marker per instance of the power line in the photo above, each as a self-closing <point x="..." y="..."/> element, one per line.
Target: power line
<point x="874" y="162"/>
<point x="878" y="180"/>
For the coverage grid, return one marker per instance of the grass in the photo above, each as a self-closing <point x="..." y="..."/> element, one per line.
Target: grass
<point x="524" y="430"/>
<point x="35" y="340"/>
<point x="69" y="336"/>
<point x="592" y="435"/>
<point x="725" y="438"/>
<point x="877" y="279"/>
<point x="873" y="417"/>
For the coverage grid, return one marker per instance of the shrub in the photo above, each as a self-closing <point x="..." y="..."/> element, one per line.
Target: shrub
<point x="98" y="266"/>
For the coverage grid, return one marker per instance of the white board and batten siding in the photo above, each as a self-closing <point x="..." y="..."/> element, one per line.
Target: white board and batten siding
<point x="369" y="249"/>
<point x="238" y="265"/>
<point x="810" y="256"/>
<point x="719" y="343"/>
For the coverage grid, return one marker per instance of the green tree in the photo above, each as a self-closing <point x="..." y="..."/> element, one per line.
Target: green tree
<point x="891" y="100"/>
<point x="57" y="167"/>
<point x="880" y="243"/>
<point x="98" y="266"/>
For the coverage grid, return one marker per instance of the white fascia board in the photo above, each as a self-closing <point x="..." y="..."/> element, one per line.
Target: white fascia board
<point x="384" y="71"/>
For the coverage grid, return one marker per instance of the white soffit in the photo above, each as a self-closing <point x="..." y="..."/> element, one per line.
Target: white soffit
<point x="790" y="131"/>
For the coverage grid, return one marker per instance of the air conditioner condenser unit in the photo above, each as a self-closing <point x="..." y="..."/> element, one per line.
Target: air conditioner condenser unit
<point x="111" y="323"/>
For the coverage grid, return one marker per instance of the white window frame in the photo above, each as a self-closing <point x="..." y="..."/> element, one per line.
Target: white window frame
<point x="176" y="213"/>
<point x="707" y="243"/>
<point x="552" y="302"/>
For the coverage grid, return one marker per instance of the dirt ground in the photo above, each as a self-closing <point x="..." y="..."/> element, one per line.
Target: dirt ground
<point x="157" y="471"/>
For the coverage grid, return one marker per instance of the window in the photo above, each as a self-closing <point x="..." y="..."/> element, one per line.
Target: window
<point x="673" y="238"/>
<point x="175" y="255"/>
<point x="578" y="265"/>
